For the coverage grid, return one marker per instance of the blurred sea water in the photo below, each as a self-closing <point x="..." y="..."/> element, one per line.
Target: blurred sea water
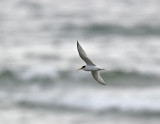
<point x="39" y="83"/>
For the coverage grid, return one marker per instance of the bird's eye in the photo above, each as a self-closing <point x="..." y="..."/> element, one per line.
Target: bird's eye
<point x="83" y="66"/>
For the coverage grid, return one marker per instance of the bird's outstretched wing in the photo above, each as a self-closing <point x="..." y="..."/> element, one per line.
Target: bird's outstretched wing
<point x="83" y="55"/>
<point x="97" y="77"/>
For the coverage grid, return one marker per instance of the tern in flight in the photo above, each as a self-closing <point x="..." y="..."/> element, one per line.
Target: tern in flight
<point x="90" y="65"/>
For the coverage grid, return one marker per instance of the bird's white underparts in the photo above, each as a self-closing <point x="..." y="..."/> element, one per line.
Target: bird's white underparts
<point x="90" y="66"/>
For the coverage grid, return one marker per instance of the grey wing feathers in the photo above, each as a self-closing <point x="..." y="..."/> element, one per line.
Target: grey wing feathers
<point x="83" y="55"/>
<point x="97" y="77"/>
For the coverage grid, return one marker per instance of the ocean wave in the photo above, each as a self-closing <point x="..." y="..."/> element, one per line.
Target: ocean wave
<point x="114" y="29"/>
<point x="114" y="78"/>
<point x="85" y="99"/>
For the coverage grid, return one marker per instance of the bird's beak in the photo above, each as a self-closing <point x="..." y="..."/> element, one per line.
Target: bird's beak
<point x="79" y="69"/>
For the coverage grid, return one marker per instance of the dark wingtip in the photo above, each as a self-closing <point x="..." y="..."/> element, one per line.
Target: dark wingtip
<point x="77" y="43"/>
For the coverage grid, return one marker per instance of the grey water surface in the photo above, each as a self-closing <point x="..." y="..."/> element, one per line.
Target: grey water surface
<point x="39" y="83"/>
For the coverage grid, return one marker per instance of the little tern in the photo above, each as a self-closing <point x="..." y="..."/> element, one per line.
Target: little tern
<point x="90" y="66"/>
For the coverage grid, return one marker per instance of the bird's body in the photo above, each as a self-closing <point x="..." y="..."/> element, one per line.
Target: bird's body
<point x="90" y="65"/>
<point x="92" y="68"/>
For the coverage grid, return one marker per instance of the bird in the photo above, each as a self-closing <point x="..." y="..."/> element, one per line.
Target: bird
<point x="90" y="66"/>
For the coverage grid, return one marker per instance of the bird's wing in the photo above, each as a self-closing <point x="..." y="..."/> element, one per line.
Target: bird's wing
<point x="83" y="55"/>
<point x="97" y="77"/>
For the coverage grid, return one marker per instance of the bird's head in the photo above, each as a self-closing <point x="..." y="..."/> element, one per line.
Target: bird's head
<point x="82" y="68"/>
